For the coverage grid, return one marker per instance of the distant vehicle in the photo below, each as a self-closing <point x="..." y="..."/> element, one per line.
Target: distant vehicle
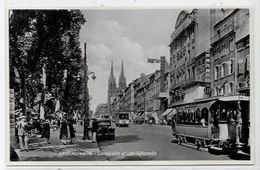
<point x="139" y="120"/>
<point x="105" y="130"/>
<point x="122" y="119"/>
<point x="105" y="116"/>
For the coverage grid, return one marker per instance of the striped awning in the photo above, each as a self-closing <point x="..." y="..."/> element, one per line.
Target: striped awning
<point x="166" y="112"/>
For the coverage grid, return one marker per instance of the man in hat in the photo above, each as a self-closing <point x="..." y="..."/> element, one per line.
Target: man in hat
<point x="22" y="126"/>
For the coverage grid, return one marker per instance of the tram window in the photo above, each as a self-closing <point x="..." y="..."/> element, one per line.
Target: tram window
<point x="188" y="117"/>
<point x="204" y="116"/>
<point x="223" y="115"/>
<point x="197" y="116"/>
<point x="192" y="117"/>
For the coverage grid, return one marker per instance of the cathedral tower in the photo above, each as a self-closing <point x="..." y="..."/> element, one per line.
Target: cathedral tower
<point x="111" y="84"/>
<point x="122" y="79"/>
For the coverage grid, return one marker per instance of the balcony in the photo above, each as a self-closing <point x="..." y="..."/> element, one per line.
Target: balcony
<point x="161" y="95"/>
<point x="222" y="33"/>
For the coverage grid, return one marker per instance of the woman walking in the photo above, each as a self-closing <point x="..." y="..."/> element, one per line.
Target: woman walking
<point x="46" y="131"/>
<point x="72" y="130"/>
<point x="94" y="130"/>
<point x="63" y="131"/>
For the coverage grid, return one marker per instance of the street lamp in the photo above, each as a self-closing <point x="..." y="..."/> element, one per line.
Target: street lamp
<point x="86" y="92"/>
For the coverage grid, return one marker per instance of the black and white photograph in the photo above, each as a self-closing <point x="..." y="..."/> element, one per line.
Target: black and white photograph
<point x="124" y="85"/>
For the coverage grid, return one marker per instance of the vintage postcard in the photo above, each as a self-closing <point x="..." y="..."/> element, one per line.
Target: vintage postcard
<point x="136" y="86"/>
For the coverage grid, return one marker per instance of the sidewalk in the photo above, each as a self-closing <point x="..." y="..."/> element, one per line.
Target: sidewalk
<point x="39" y="150"/>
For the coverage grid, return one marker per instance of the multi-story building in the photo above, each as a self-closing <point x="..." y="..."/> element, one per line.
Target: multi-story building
<point x="152" y="90"/>
<point x="139" y="93"/>
<point x="190" y="57"/>
<point x="101" y="109"/>
<point x="129" y="98"/>
<point x="230" y="52"/>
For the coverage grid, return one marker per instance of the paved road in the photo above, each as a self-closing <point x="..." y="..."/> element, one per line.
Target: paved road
<point x="150" y="142"/>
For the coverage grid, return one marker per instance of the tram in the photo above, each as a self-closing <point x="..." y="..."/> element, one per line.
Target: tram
<point x="217" y="123"/>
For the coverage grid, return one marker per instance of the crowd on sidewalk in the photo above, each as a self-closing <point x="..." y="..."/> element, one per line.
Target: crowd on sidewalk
<point x="25" y="129"/>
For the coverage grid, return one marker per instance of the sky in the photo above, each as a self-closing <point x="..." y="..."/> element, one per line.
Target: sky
<point x="129" y="35"/>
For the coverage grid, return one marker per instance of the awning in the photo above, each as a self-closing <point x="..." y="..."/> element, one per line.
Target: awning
<point x="166" y="112"/>
<point x="234" y="98"/>
<point x="140" y="114"/>
<point x="171" y="114"/>
<point x="191" y="107"/>
<point x="155" y="116"/>
<point x="147" y="115"/>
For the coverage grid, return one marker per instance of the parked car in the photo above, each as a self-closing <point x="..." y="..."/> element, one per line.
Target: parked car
<point x="139" y="120"/>
<point x="105" y="130"/>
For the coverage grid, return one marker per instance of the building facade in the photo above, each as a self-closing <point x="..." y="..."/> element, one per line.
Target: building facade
<point x="189" y="56"/>
<point x="230" y="52"/>
<point x="139" y="93"/>
<point x="101" y="109"/>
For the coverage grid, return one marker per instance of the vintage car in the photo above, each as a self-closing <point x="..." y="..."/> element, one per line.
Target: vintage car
<point x="105" y="130"/>
<point x="139" y="120"/>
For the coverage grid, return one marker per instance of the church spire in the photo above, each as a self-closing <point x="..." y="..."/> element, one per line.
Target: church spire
<point x="122" y="79"/>
<point x="122" y="69"/>
<point x="112" y="69"/>
<point x="112" y="80"/>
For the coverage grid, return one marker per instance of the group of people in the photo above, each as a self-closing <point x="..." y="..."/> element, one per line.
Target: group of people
<point x="67" y="131"/>
<point x="90" y="126"/>
<point x="25" y="128"/>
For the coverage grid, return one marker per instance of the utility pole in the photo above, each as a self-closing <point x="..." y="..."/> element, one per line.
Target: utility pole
<point x="86" y="95"/>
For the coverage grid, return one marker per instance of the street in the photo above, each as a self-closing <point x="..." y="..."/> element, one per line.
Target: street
<point x="151" y="142"/>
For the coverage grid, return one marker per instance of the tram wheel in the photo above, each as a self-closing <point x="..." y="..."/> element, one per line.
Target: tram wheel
<point x="198" y="143"/>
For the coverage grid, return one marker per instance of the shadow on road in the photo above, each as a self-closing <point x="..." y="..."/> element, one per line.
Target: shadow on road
<point x="120" y="139"/>
<point x="174" y="141"/>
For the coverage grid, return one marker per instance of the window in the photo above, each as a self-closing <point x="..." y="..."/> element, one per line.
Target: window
<point x="231" y="66"/>
<point x="231" y="86"/>
<point x="225" y="65"/>
<point x="231" y="45"/>
<point x="223" y="49"/>
<point x="227" y="89"/>
<point x="222" y="70"/>
<point x="216" y="73"/>
<point x="216" y="91"/>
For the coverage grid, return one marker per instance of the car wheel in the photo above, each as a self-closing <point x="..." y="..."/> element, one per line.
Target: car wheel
<point x="112" y="137"/>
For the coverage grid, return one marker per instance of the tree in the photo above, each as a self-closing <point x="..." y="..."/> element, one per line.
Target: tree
<point x="49" y="37"/>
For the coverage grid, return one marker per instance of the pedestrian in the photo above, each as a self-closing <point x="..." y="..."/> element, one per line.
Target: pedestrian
<point x="86" y="129"/>
<point x="46" y="130"/>
<point x="81" y="123"/>
<point x="16" y="129"/>
<point x="94" y="130"/>
<point x="63" y="131"/>
<point x="38" y="127"/>
<point x="71" y="130"/>
<point x="23" y="133"/>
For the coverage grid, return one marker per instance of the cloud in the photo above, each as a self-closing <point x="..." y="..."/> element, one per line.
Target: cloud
<point x="158" y="50"/>
<point x="106" y="42"/>
<point x="104" y="32"/>
<point x="98" y="54"/>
